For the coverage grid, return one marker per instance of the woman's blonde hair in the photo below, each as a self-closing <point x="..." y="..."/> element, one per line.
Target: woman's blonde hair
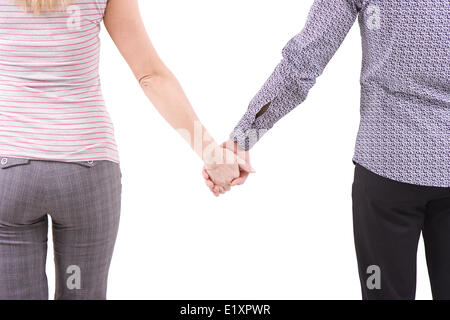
<point x="37" y="5"/>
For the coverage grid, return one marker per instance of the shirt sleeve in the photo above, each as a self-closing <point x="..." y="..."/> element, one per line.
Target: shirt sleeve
<point x="304" y="58"/>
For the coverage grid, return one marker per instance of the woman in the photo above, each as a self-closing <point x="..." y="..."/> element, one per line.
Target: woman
<point x="402" y="156"/>
<point x="57" y="147"/>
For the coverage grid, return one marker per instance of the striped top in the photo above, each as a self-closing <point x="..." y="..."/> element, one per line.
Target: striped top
<point x="51" y="104"/>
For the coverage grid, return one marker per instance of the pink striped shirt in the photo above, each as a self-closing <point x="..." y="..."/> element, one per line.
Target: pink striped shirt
<point x="51" y="104"/>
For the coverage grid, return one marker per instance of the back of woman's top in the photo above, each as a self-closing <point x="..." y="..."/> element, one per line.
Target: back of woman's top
<point x="51" y="105"/>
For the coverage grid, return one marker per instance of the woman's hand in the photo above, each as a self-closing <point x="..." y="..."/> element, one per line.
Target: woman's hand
<point x="222" y="168"/>
<point x="217" y="177"/>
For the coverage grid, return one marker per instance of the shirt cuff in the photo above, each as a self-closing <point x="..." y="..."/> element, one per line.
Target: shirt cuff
<point x="284" y="90"/>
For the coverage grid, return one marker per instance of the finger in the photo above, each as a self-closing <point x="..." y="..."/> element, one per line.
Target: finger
<point x="241" y="179"/>
<point x="214" y="191"/>
<point x="210" y="184"/>
<point x="208" y="179"/>
<point x="245" y="166"/>
<point x="237" y="182"/>
<point x="244" y="174"/>
<point x="205" y="174"/>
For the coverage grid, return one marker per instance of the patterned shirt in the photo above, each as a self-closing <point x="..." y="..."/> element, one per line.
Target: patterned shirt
<point x="404" y="132"/>
<point x="51" y="104"/>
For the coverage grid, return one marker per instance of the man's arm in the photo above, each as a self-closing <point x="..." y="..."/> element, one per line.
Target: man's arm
<point x="304" y="58"/>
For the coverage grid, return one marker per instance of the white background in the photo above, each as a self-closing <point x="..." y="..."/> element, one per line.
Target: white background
<point x="287" y="233"/>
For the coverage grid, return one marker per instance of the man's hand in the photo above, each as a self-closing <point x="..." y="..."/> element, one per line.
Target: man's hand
<point x="241" y="158"/>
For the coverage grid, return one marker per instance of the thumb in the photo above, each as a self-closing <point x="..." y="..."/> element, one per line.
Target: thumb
<point x="246" y="167"/>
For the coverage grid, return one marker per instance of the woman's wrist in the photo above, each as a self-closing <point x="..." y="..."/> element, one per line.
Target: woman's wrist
<point x="211" y="153"/>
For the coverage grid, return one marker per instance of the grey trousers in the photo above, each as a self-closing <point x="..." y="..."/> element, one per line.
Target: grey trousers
<point x="83" y="200"/>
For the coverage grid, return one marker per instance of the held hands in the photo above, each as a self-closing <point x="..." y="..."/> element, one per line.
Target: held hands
<point x="233" y="168"/>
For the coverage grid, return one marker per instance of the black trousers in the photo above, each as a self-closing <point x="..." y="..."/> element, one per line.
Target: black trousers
<point x="388" y="218"/>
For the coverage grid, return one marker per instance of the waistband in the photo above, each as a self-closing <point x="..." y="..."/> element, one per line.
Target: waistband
<point x="6" y="162"/>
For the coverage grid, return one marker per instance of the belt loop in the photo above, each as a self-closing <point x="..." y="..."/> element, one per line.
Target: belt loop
<point x="87" y="163"/>
<point x="6" y="162"/>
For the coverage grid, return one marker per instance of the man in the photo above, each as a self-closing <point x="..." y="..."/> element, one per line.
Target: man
<point x="402" y="155"/>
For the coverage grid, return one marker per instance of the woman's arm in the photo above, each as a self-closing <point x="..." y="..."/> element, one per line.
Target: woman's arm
<point x="126" y="28"/>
